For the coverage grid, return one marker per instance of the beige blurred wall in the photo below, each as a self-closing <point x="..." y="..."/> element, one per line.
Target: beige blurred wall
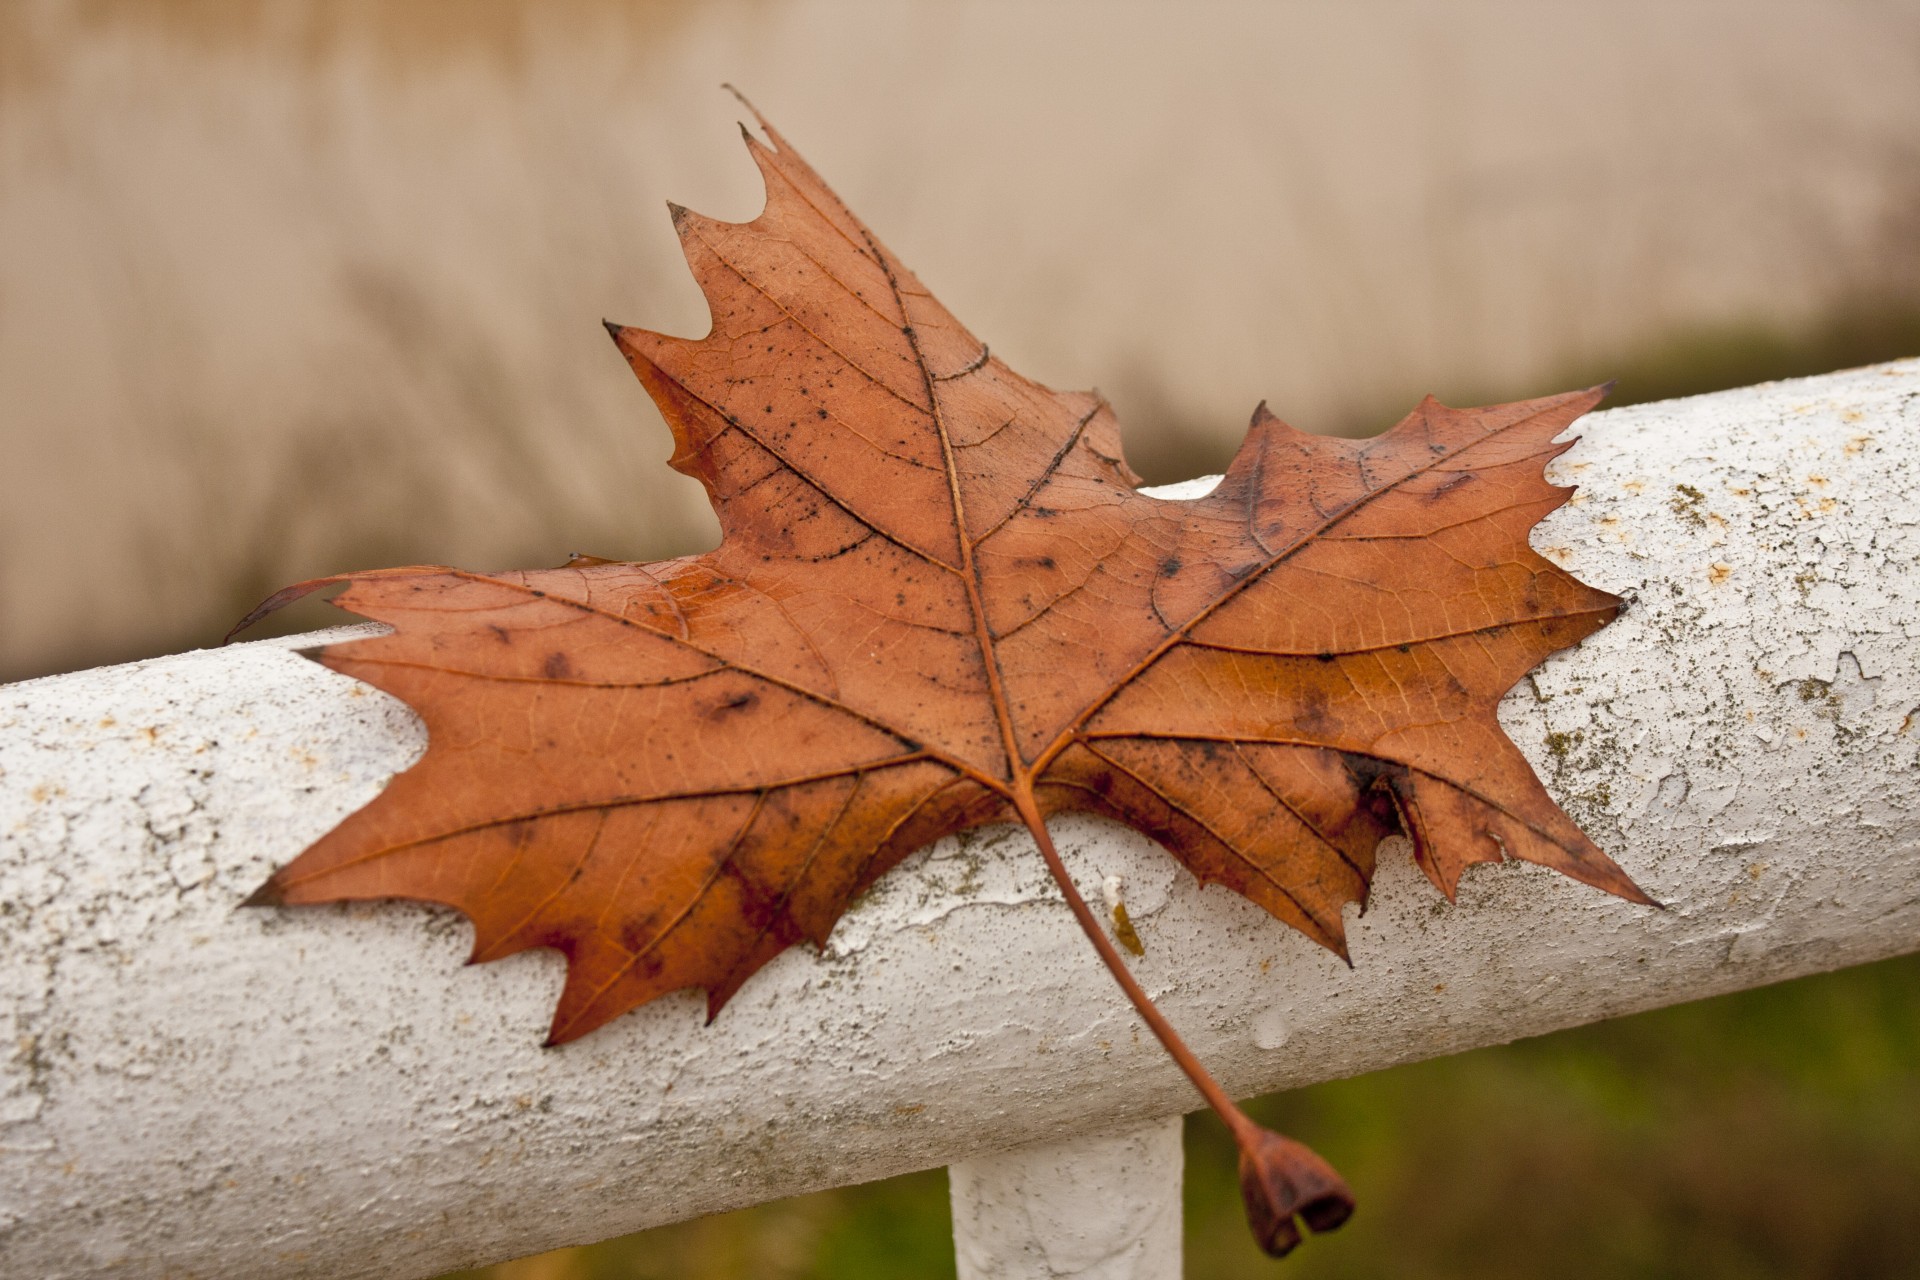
<point x="288" y="288"/>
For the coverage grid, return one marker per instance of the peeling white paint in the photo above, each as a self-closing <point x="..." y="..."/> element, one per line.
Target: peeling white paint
<point x="187" y="1089"/>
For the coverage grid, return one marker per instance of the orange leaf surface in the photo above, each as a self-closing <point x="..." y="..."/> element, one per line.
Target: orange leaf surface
<point x="940" y="601"/>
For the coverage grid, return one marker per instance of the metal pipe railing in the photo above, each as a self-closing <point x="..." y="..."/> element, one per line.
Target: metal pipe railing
<point x="192" y="1089"/>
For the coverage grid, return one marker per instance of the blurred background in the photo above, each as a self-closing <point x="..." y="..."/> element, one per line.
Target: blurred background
<point x="293" y="287"/>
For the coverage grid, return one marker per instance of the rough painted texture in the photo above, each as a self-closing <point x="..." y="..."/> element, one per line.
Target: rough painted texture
<point x="1105" y="1207"/>
<point x="199" y="1091"/>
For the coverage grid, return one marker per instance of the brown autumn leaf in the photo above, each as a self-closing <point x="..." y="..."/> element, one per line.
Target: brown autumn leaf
<point x="939" y="601"/>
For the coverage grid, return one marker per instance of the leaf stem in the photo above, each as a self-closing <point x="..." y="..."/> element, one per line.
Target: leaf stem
<point x="1243" y="1128"/>
<point x="1284" y="1183"/>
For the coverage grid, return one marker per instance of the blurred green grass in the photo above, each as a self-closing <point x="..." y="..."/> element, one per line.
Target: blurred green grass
<point x="1770" y="1133"/>
<point x="1767" y="1134"/>
<point x="1692" y="362"/>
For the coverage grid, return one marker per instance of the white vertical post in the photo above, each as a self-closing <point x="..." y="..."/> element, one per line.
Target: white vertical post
<point x="1098" y="1208"/>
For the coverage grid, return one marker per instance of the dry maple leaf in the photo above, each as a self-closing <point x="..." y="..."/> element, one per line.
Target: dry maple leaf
<point x="939" y="601"/>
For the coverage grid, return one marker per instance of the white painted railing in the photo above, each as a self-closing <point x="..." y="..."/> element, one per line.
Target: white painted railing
<point x="198" y="1090"/>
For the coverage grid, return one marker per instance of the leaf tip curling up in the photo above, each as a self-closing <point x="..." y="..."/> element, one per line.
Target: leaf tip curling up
<point x="752" y="110"/>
